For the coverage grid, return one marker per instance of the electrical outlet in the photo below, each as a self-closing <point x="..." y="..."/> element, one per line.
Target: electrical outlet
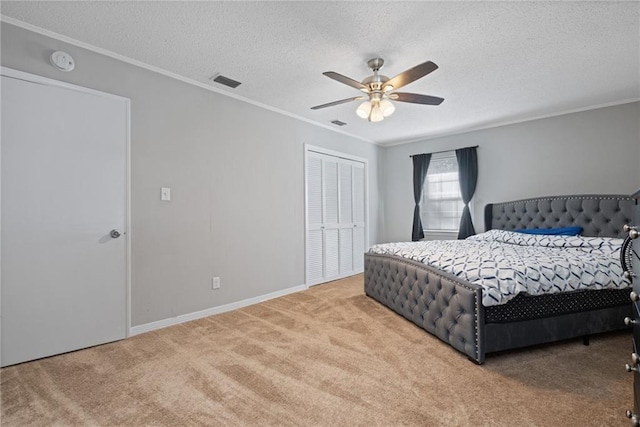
<point x="215" y="283"/>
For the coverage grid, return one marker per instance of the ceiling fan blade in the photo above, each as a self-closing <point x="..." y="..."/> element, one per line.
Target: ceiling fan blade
<point x="416" y="98"/>
<point x="342" y="101"/>
<point x="346" y="80"/>
<point x="411" y="75"/>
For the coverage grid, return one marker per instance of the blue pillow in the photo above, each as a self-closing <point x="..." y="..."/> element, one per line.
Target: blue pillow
<point x="562" y="231"/>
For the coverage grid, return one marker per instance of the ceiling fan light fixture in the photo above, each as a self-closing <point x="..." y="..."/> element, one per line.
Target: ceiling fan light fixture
<point x="376" y="113"/>
<point x="364" y="110"/>
<point x="380" y="89"/>
<point x="387" y="107"/>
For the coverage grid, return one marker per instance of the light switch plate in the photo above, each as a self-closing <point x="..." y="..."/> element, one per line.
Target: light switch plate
<point x="165" y="193"/>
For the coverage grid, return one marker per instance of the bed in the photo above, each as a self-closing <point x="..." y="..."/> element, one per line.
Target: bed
<point x="452" y="308"/>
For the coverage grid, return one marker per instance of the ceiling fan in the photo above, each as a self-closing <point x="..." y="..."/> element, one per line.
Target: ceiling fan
<point x="379" y="89"/>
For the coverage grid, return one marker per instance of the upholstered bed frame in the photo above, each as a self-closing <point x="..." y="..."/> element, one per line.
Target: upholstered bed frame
<point x="452" y="310"/>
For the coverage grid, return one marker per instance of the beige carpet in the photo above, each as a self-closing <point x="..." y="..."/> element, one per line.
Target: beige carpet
<point x="329" y="356"/>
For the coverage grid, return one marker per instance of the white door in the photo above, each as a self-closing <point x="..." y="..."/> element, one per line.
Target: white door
<point x="336" y="226"/>
<point x="64" y="188"/>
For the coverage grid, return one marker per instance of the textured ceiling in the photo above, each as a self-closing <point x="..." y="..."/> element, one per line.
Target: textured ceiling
<point x="499" y="62"/>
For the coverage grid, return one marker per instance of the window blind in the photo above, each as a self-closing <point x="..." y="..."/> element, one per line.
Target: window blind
<point x="441" y="199"/>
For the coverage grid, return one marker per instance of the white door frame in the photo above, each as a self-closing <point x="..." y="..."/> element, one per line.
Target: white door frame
<point x="21" y="75"/>
<point x="312" y="148"/>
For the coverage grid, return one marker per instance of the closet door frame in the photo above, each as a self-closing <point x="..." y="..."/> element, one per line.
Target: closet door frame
<point x="339" y="155"/>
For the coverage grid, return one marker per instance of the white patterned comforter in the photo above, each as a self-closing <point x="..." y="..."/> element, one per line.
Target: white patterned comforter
<point x="505" y="263"/>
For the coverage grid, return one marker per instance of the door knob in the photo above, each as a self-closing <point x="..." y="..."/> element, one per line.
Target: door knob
<point x="115" y="234"/>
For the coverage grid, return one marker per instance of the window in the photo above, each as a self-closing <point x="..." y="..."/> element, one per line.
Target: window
<point x="442" y="204"/>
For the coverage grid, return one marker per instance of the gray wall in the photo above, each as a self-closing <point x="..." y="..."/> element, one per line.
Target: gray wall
<point x="593" y="151"/>
<point x="236" y="174"/>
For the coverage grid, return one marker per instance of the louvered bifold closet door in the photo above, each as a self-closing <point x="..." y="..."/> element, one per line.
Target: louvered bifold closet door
<point x="331" y="218"/>
<point x="346" y="217"/>
<point x="335" y="217"/>
<point x="315" y="246"/>
<point x="359" y="220"/>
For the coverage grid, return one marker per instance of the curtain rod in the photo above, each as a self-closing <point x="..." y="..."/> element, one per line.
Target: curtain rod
<point x="444" y="151"/>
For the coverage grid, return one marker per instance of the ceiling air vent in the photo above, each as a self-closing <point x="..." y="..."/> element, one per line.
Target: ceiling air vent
<point x="218" y="78"/>
<point x="338" y="123"/>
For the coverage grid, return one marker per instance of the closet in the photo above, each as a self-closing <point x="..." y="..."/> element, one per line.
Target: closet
<point x="336" y="216"/>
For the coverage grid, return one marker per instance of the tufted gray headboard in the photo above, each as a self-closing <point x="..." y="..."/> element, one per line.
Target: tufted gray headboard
<point x="598" y="215"/>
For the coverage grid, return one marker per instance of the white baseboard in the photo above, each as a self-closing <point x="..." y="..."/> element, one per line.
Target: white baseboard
<point x="147" y="327"/>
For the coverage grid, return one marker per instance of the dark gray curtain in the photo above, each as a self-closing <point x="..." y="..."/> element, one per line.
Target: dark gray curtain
<point x="468" y="177"/>
<point x="420" y="166"/>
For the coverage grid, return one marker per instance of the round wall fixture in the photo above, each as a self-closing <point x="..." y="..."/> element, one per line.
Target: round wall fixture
<point x="62" y="61"/>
